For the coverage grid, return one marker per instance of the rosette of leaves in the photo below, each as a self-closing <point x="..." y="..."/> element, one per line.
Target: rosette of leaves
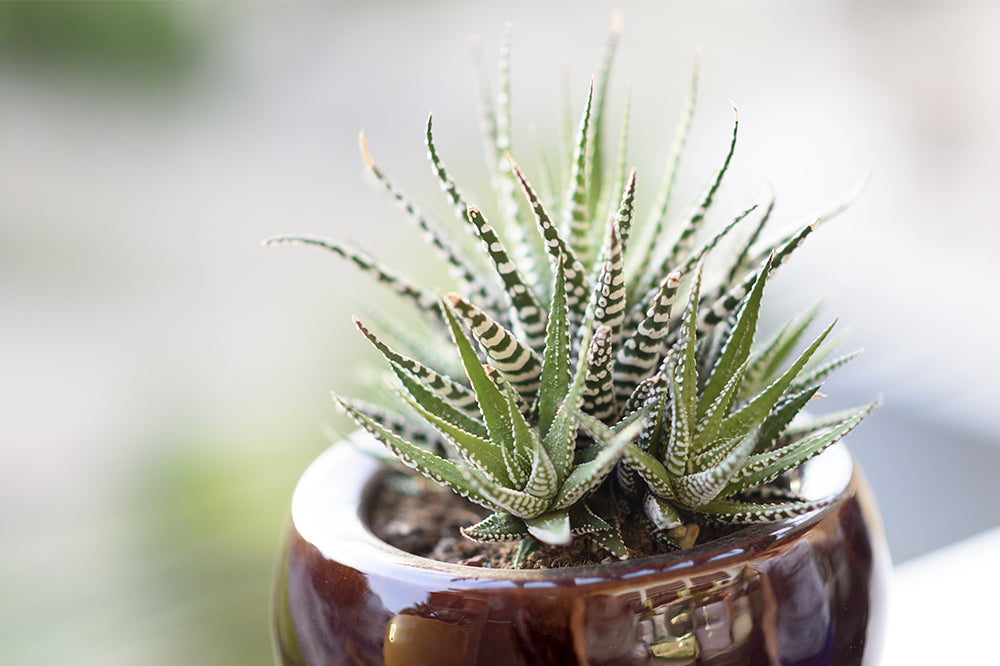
<point x="580" y="403"/>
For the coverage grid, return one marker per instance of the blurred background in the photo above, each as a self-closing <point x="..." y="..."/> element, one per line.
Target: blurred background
<point x="165" y="378"/>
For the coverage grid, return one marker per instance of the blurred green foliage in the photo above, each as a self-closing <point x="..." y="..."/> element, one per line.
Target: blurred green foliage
<point x="155" y="41"/>
<point x="216" y="510"/>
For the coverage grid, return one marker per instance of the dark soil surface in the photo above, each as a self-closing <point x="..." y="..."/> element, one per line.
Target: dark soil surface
<point x="417" y="516"/>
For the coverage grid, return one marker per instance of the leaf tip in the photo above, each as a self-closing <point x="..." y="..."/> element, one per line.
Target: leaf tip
<point x="357" y="324"/>
<point x="365" y="155"/>
<point x="512" y="162"/>
<point x="617" y="20"/>
<point x="340" y="401"/>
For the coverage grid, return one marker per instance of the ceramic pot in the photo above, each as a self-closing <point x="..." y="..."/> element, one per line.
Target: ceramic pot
<point x="805" y="591"/>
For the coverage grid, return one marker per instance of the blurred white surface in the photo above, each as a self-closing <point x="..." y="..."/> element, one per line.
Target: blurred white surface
<point x="956" y="585"/>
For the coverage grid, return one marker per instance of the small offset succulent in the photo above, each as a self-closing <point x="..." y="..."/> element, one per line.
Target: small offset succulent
<point x="582" y="402"/>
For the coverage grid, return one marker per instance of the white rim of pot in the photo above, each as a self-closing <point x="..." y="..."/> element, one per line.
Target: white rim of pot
<point x="330" y="517"/>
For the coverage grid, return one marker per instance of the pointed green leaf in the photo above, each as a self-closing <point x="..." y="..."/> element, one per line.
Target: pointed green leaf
<point x="598" y="391"/>
<point x="658" y="215"/>
<point x="435" y="236"/>
<point x="736" y="349"/>
<point x="694" y="221"/>
<point x="625" y="212"/>
<point x="433" y="467"/>
<point x="518" y="456"/>
<point x="492" y="403"/>
<point x="448" y="185"/>
<point x="819" y="374"/>
<point x="551" y="528"/>
<point x="749" y="513"/>
<point x="497" y="527"/>
<point x="813" y="424"/>
<point x="607" y="302"/>
<point x="440" y="385"/>
<point x="756" y="410"/>
<point x="485" y="455"/>
<point x="584" y="478"/>
<point x="595" y="156"/>
<point x="560" y="440"/>
<point x="656" y="426"/>
<point x="583" y="520"/>
<point x="741" y="261"/>
<point x="764" y="467"/>
<point x="526" y="309"/>
<point x="520" y="365"/>
<point x="420" y="434"/>
<point x="611" y="541"/>
<point x="683" y="380"/>
<point x="436" y="405"/>
<point x="663" y="514"/>
<point x="515" y="502"/>
<point x="410" y="337"/>
<point x="425" y="300"/>
<point x="574" y="211"/>
<point x="650" y="469"/>
<point x="724" y="305"/>
<point x="777" y="421"/>
<point x="704" y="486"/>
<point x="555" y="363"/>
<point x="773" y="353"/>
<point x="707" y="429"/>
<point x="560" y="252"/>
<point x="543" y="480"/>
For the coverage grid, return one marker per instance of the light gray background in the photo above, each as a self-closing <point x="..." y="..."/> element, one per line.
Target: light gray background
<point x="164" y="378"/>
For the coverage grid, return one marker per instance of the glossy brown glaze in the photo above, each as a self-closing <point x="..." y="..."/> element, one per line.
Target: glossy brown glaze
<point x="806" y="591"/>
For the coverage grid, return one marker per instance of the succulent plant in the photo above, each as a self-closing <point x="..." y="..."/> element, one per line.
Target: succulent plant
<point x="584" y="403"/>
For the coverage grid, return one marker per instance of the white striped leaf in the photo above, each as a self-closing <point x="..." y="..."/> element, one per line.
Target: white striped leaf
<point x="497" y="527"/>
<point x="749" y="513"/>
<point x="575" y="223"/>
<point x="424" y="299"/>
<point x="433" y="467"/>
<point x="520" y="365"/>
<point x="448" y="250"/>
<point x="701" y="487"/>
<point x="492" y="403"/>
<point x="526" y="310"/>
<point x="763" y="468"/>
<point x="559" y="251"/>
<point x="484" y="454"/>
<point x="442" y="386"/>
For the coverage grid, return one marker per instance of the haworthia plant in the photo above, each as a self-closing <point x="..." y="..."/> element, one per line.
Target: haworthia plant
<point x="593" y="402"/>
